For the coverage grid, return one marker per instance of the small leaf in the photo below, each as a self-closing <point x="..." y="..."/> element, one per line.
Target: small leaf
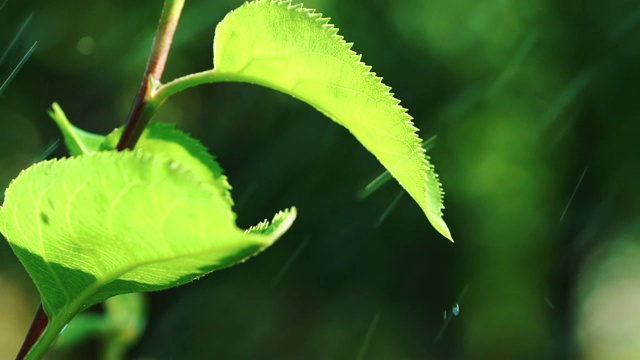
<point x="78" y="141"/>
<point x="118" y="327"/>
<point x="93" y="226"/>
<point x="294" y="50"/>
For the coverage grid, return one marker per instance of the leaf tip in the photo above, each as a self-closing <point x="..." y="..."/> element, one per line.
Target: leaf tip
<point x="439" y="224"/>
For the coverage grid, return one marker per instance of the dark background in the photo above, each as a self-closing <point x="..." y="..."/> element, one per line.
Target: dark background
<point x="528" y="99"/>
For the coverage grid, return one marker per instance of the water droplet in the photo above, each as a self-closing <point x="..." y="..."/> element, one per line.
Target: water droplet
<point x="455" y="310"/>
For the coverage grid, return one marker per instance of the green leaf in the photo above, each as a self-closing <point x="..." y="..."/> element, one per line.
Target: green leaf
<point x="93" y="226"/>
<point x="118" y="328"/>
<point x="384" y="177"/>
<point x="78" y="141"/>
<point x="160" y="138"/>
<point x="294" y="50"/>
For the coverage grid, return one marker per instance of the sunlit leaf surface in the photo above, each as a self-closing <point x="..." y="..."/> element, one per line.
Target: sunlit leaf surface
<point x="97" y="225"/>
<point x="296" y="51"/>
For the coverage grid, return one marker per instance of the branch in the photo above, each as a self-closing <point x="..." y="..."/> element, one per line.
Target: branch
<point x="38" y="325"/>
<point x="142" y="110"/>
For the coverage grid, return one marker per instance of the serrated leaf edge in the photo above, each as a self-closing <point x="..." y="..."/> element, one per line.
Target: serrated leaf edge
<point x="433" y="209"/>
<point x="266" y="233"/>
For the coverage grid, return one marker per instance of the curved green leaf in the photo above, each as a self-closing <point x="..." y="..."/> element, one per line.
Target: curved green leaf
<point x="160" y="138"/>
<point x="294" y="50"/>
<point x="78" y="141"/>
<point x="97" y="225"/>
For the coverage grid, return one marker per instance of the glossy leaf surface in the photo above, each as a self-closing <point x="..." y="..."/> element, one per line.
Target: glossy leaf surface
<point x="294" y="50"/>
<point x="106" y="223"/>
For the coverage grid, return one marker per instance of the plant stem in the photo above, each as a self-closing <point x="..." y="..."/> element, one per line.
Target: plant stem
<point x="38" y="325"/>
<point x="182" y="83"/>
<point x="43" y="332"/>
<point x="52" y="329"/>
<point x="142" y="109"/>
<point x="175" y="86"/>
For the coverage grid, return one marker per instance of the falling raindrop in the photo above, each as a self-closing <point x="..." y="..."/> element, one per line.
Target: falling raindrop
<point x="455" y="310"/>
<point x="575" y="189"/>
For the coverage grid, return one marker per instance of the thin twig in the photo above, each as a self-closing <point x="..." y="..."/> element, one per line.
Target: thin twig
<point x="142" y="110"/>
<point x="38" y="325"/>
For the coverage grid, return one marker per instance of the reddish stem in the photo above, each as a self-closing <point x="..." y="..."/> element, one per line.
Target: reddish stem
<point x="38" y="325"/>
<point x="141" y="111"/>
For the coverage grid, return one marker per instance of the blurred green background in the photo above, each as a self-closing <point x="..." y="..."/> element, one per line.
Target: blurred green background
<point x="533" y="102"/>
